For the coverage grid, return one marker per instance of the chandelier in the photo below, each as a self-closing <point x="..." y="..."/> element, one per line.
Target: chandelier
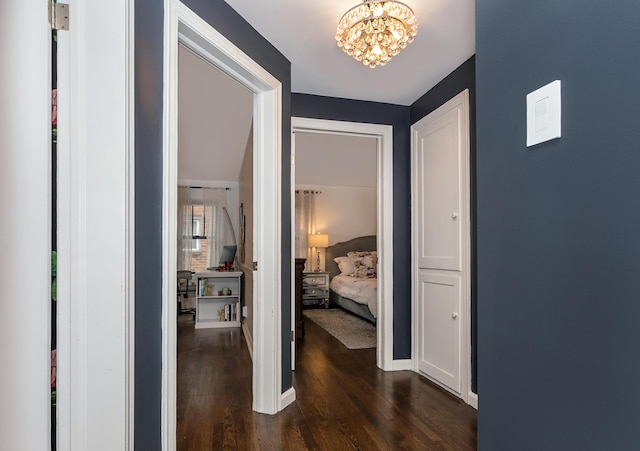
<point x="375" y="31"/>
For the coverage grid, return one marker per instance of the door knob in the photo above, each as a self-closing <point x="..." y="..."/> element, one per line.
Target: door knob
<point x="454" y="215"/>
<point x="454" y="315"/>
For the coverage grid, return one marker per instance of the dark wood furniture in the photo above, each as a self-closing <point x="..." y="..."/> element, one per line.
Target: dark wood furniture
<point x="298" y="282"/>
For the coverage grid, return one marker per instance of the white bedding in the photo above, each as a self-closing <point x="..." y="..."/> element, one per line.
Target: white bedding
<point x="362" y="291"/>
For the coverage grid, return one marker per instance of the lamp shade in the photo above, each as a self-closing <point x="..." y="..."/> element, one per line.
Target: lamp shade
<point x="319" y="240"/>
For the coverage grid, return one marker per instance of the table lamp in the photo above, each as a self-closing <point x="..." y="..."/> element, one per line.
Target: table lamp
<point x="318" y="240"/>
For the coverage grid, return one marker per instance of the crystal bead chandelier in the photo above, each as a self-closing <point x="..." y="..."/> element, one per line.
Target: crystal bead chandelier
<point x="375" y="31"/>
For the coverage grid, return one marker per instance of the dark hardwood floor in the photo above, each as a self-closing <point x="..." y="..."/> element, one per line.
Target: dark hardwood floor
<point x="343" y="401"/>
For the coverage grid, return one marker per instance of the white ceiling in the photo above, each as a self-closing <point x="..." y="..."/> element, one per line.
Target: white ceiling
<point x="215" y="112"/>
<point x="303" y="31"/>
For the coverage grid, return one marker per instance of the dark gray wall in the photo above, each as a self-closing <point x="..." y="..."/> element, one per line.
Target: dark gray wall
<point x="330" y="108"/>
<point x="148" y="210"/>
<point x="464" y="77"/>
<point x="558" y="227"/>
<point x="148" y="219"/>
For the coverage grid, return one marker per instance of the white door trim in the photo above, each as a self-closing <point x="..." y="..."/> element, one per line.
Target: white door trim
<point x="183" y="25"/>
<point x="96" y="227"/>
<point x="465" y="318"/>
<point x="384" y="136"/>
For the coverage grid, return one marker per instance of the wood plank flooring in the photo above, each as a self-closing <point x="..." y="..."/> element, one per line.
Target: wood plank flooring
<point x="343" y="401"/>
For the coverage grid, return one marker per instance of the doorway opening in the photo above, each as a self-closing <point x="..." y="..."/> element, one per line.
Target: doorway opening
<point x="184" y="27"/>
<point x="383" y="135"/>
<point x="215" y="156"/>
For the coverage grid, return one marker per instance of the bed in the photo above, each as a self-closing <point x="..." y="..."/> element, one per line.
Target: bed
<point x="357" y="295"/>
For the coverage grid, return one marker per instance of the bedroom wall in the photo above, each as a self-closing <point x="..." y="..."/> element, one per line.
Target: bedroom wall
<point x="344" y="212"/>
<point x="149" y="39"/>
<point x="558" y="224"/>
<point x="343" y="169"/>
<point x="215" y="113"/>
<point x="246" y="199"/>
<point x="464" y="77"/>
<point x="319" y="107"/>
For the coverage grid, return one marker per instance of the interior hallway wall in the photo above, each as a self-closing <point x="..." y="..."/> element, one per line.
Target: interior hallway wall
<point x="558" y="224"/>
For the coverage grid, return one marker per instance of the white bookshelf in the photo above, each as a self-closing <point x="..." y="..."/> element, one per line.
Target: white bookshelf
<point x="218" y="299"/>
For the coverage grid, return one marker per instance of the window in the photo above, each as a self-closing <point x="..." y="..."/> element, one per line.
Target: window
<point x="196" y="223"/>
<point x="202" y="214"/>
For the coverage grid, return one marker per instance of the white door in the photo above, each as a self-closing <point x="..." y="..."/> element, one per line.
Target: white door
<point x="441" y="244"/>
<point x="439" y="332"/>
<point x="25" y="228"/>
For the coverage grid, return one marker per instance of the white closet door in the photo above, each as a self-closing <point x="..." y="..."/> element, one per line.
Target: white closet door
<point x="441" y="244"/>
<point x="439" y="191"/>
<point x="440" y="353"/>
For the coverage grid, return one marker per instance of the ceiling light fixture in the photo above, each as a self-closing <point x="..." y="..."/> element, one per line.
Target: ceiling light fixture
<point x="375" y="31"/>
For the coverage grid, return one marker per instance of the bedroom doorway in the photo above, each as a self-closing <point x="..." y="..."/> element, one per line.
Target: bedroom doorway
<point x="184" y="27"/>
<point x="382" y="135"/>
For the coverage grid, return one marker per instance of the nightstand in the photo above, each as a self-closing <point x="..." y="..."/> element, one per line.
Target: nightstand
<point x="315" y="288"/>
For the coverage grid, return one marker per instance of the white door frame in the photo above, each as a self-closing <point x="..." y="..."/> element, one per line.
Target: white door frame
<point x="96" y="260"/>
<point x="183" y="25"/>
<point x="384" y="138"/>
<point x="465" y="370"/>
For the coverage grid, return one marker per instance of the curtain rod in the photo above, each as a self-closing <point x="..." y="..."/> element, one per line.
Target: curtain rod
<point x="210" y="187"/>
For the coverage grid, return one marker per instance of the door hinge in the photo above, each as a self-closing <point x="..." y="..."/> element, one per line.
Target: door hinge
<point x="293" y="336"/>
<point x="255" y="266"/>
<point x="59" y="15"/>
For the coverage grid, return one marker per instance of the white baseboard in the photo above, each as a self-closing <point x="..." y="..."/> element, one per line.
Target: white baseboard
<point x="248" y="338"/>
<point x="287" y="398"/>
<point x="472" y="400"/>
<point x="402" y="365"/>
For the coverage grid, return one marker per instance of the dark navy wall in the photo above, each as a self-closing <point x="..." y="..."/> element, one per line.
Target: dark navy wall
<point x="148" y="186"/>
<point x="464" y="77"/>
<point x="148" y="219"/>
<point x="318" y="107"/>
<point x="558" y="227"/>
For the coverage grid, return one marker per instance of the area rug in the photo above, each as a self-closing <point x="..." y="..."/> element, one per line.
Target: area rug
<point x="351" y="331"/>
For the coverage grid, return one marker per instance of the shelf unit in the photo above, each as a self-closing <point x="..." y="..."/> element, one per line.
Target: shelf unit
<point x="218" y="295"/>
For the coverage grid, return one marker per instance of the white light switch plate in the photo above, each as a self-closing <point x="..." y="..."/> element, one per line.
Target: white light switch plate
<point x="544" y="113"/>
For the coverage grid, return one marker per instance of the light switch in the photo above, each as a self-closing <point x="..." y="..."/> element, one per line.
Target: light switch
<point x="544" y="114"/>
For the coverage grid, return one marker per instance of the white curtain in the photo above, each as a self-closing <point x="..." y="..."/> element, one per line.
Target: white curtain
<point x="185" y="228"/>
<point x="216" y="226"/>
<point x="305" y="224"/>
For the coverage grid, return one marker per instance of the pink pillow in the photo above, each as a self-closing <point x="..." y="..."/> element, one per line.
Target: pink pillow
<point x="364" y="264"/>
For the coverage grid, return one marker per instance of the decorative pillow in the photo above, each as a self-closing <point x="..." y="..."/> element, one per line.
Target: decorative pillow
<point x="364" y="264"/>
<point x="345" y="265"/>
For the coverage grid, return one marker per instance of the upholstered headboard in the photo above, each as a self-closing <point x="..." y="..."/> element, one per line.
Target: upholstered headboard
<point x="361" y="243"/>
